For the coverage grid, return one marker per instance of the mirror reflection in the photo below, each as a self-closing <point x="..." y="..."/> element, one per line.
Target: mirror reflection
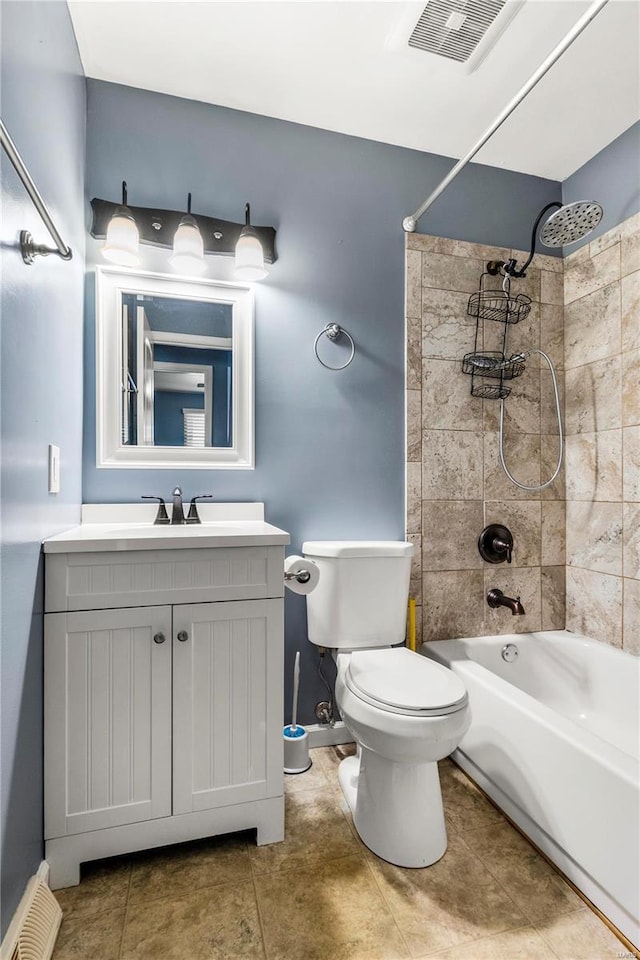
<point x="177" y="360"/>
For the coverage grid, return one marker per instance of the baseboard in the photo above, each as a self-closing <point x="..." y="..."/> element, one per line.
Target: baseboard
<point x="39" y="925"/>
<point x="324" y="735"/>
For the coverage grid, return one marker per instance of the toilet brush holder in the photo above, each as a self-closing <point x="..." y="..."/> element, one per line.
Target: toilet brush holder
<point x="296" y="749"/>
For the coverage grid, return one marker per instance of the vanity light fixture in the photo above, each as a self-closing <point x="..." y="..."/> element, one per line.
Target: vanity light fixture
<point x="249" y="253"/>
<point x="188" y="246"/>
<point x="189" y="238"/>
<point x="122" y="241"/>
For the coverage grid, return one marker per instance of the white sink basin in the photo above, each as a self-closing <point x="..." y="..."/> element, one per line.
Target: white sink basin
<point x="130" y="527"/>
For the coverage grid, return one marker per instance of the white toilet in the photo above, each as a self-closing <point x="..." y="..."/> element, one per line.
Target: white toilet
<point x="405" y="711"/>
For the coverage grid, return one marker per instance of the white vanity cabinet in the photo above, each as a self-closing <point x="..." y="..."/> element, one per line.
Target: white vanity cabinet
<point x="163" y="699"/>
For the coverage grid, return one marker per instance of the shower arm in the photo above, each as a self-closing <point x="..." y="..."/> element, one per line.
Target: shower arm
<point x="509" y="267"/>
<point x="410" y="223"/>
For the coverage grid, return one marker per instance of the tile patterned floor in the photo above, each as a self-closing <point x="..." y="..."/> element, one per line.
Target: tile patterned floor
<point x="321" y="895"/>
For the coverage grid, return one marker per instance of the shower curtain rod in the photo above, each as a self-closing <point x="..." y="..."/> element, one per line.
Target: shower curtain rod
<point x="409" y="223"/>
<point x="29" y="249"/>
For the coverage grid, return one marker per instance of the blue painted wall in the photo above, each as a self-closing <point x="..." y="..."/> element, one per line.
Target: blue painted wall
<point x="330" y="446"/>
<point x="43" y="105"/>
<point x="612" y="178"/>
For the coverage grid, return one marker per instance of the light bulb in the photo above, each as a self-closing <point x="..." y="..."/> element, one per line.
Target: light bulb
<point x="249" y="253"/>
<point x="121" y="244"/>
<point x="188" y="247"/>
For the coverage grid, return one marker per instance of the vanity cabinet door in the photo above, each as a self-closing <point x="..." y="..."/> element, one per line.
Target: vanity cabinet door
<point x="227" y="703"/>
<point x="107" y="718"/>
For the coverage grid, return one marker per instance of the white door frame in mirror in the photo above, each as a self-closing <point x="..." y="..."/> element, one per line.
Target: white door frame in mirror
<point x="110" y="451"/>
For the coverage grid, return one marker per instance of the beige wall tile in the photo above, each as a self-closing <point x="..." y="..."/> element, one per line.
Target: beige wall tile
<point x="523" y="582"/>
<point x="631" y="464"/>
<point x="450" y="531"/>
<point x="447" y="403"/>
<point x="415" y="591"/>
<point x="454" y="601"/>
<point x="630" y="253"/>
<point x="552" y="591"/>
<point x="578" y="256"/>
<point x="594" y="605"/>
<point x="414" y="497"/>
<point x="549" y="450"/>
<point x="457" y="248"/>
<point x="523" y="518"/>
<point x="414" y="424"/>
<point x="452" y="465"/>
<point x="630" y="225"/>
<point x="547" y="262"/>
<point x="631" y="540"/>
<point x="522" y="407"/>
<point x="589" y="275"/>
<point x="593" y="396"/>
<point x="447" y="331"/>
<point x="414" y="354"/>
<point x="593" y="466"/>
<point x="630" y="307"/>
<point x="522" y="455"/>
<point x="552" y="540"/>
<point x="604" y="240"/>
<point x="592" y="327"/>
<point x="451" y="273"/>
<point x="548" y="409"/>
<point x="416" y="559"/>
<point x="631" y="617"/>
<point x="594" y="536"/>
<point x="413" y="284"/>
<point x="552" y="333"/>
<point x="551" y="287"/>
<point x="631" y="388"/>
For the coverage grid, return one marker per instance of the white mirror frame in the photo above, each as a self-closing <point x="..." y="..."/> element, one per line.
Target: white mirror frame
<point x="110" y="452"/>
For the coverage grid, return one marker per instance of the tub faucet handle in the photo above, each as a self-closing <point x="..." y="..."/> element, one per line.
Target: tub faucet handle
<point x="495" y="543"/>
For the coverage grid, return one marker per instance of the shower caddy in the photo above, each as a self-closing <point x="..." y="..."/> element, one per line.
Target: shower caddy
<point x="489" y="369"/>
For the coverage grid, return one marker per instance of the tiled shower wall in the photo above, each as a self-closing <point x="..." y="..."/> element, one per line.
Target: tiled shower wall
<point x="455" y="482"/>
<point x="602" y="360"/>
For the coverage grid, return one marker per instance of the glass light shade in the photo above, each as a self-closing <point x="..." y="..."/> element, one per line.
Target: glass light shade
<point x="188" y="248"/>
<point x="249" y="257"/>
<point x="121" y="244"/>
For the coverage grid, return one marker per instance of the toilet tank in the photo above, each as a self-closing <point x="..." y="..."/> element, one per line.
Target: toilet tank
<point x="361" y="597"/>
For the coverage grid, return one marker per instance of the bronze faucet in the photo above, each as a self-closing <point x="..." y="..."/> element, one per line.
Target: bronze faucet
<point x="496" y="598"/>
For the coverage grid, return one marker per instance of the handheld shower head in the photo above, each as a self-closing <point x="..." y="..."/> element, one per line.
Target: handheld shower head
<point x="571" y="223"/>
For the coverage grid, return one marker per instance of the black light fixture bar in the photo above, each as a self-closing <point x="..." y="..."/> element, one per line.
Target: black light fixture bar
<point x="158" y="227"/>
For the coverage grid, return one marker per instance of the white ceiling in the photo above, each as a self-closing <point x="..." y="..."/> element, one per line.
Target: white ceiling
<point x="328" y="64"/>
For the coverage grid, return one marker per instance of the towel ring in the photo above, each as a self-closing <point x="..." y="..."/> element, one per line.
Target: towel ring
<point x="333" y="331"/>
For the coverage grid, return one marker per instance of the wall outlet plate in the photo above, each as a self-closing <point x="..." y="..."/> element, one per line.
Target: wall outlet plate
<point x="54" y="468"/>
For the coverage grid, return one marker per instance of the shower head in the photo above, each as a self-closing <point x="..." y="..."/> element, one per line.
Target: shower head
<point x="571" y="223"/>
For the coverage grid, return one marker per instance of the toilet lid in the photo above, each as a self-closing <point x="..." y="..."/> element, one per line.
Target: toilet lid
<point x="401" y="681"/>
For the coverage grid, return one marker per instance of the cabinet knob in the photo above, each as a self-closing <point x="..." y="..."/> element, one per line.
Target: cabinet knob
<point x="182" y="636"/>
<point x="159" y="638"/>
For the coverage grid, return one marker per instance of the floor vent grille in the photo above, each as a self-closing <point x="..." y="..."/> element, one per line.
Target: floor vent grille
<point x="39" y="917"/>
<point x="454" y="28"/>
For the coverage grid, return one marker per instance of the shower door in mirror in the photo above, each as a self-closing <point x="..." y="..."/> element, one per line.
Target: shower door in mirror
<point x="175" y="359"/>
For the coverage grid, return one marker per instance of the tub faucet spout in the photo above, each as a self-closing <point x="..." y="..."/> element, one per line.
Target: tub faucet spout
<point x="496" y="598"/>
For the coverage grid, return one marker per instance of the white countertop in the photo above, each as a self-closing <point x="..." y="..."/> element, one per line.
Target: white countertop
<point x="111" y="527"/>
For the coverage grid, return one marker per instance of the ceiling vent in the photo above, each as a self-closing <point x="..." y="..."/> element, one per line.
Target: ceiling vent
<point x="459" y="31"/>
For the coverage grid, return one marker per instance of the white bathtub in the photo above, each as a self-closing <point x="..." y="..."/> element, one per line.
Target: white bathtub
<point x="554" y="742"/>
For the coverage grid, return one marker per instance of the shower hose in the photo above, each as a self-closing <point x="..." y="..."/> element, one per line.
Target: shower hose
<point x="547" y="483"/>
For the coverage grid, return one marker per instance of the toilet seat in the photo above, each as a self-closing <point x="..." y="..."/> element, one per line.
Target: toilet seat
<point x="400" y="681"/>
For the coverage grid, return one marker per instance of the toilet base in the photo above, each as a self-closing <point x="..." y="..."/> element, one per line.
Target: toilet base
<point x="397" y="808"/>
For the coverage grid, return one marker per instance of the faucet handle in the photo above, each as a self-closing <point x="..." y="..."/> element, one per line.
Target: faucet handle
<point x="193" y="516"/>
<point x="162" y="516"/>
<point x="495" y="543"/>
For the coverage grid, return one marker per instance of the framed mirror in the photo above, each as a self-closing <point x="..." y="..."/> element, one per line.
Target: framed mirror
<point x="174" y="372"/>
